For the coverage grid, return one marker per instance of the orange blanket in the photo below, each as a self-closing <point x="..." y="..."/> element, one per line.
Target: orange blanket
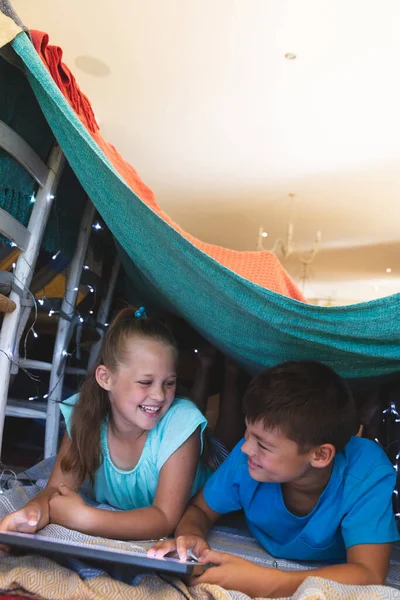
<point x="261" y="268"/>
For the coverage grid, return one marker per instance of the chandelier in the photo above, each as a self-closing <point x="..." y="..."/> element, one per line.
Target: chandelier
<point x="285" y="248"/>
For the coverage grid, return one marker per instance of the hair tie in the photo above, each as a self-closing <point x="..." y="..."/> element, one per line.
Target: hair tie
<point x="140" y="312"/>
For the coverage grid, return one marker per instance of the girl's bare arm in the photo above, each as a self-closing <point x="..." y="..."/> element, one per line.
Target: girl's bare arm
<point x="154" y="522"/>
<point x="35" y="514"/>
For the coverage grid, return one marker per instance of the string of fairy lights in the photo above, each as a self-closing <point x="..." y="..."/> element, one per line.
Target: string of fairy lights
<point x="391" y="420"/>
<point x="43" y="302"/>
<point x="50" y="305"/>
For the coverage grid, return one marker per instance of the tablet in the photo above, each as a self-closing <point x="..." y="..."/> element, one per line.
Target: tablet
<point x="93" y="552"/>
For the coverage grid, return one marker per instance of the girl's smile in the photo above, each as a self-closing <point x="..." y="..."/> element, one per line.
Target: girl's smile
<point x="150" y="411"/>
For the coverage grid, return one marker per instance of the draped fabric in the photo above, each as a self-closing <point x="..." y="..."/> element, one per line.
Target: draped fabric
<point x="213" y="288"/>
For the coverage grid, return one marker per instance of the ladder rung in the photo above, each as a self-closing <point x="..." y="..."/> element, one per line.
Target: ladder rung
<point x="16" y="146"/>
<point x="40" y="365"/>
<point x="26" y="409"/>
<point x="13" y="230"/>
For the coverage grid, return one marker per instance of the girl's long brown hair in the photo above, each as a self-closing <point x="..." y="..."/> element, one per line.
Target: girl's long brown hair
<point x="93" y="406"/>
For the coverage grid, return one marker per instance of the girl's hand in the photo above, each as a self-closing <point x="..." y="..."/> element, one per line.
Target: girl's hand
<point x="68" y="509"/>
<point x="25" y="520"/>
<point x="181" y="545"/>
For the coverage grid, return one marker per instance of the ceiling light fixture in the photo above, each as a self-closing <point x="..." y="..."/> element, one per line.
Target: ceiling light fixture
<point x="261" y="235"/>
<point x="388" y="270"/>
<point x="286" y="248"/>
<point x="290" y="56"/>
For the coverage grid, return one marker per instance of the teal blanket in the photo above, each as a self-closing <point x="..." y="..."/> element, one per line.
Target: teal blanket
<point x="251" y="324"/>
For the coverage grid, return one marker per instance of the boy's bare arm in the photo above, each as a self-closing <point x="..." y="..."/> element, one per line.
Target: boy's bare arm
<point x="198" y="518"/>
<point x="367" y="564"/>
<point x="191" y="532"/>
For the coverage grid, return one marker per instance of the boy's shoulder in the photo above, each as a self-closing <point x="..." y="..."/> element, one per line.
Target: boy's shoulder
<point x="357" y="450"/>
<point x="363" y="492"/>
<point x="364" y="459"/>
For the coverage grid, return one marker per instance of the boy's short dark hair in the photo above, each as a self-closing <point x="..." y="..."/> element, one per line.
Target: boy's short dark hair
<point x="307" y="401"/>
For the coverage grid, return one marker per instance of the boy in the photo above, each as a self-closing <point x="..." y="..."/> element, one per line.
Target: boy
<point x="308" y="488"/>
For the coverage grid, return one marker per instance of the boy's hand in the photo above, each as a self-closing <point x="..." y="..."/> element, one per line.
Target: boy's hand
<point x="234" y="573"/>
<point x="181" y="545"/>
<point x="68" y="509"/>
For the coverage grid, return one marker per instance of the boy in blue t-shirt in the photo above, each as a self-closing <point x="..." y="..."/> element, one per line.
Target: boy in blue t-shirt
<point x="308" y="488"/>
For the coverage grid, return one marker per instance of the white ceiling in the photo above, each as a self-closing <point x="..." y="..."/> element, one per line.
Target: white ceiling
<point x="199" y="97"/>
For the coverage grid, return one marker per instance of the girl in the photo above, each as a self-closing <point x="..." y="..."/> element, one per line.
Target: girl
<point x="138" y="445"/>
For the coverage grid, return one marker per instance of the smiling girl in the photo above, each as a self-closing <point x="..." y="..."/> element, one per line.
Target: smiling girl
<point x="137" y="443"/>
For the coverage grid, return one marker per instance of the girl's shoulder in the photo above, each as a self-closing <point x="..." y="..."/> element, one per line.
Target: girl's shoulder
<point x="71" y="401"/>
<point x="182" y="411"/>
<point x="179" y="422"/>
<point x="66" y="408"/>
<point x="182" y="404"/>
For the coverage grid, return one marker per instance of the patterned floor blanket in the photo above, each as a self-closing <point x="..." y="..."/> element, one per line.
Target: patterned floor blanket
<point x="72" y="579"/>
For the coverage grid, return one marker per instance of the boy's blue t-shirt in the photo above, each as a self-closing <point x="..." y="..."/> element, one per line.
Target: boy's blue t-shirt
<point x="354" y="508"/>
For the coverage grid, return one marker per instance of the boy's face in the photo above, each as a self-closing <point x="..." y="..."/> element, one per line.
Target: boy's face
<point x="272" y="457"/>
